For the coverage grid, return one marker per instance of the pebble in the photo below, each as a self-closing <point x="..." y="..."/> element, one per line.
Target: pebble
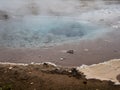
<point x="10" y="67"/>
<point x="62" y="59"/>
<point x="32" y="63"/>
<point x="70" y="51"/>
<point x="31" y="83"/>
<point x="86" y="50"/>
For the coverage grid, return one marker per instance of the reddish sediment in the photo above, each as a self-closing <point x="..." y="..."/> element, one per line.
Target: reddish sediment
<point x="85" y="52"/>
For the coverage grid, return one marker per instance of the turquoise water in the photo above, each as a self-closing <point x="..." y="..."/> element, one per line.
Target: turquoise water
<point x="45" y="31"/>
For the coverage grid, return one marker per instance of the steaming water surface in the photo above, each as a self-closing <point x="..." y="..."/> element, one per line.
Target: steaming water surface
<point x="37" y="31"/>
<point x="27" y="26"/>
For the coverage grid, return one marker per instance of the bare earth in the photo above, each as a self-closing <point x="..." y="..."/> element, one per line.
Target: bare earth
<point x="48" y="77"/>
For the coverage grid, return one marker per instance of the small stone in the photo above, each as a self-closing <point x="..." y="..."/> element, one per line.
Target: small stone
<point x="31" y="83"/>
<point x="29" y="72"/>
<point x="86" y="50"/>
<point x="10" y="67"/>
<point x="85" y="82"/>
<point x="70" y="51"/>
<point x="62" y="59"/>
<point x="32" y="63"/>
<point x="74" y="71"/>
<point x="45" y="64"/>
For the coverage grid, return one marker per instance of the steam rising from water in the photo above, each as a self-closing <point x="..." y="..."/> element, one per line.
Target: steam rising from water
<point x="26" y="26"/>
<point x="44" y="31"/>
<point x="54" y="7"/>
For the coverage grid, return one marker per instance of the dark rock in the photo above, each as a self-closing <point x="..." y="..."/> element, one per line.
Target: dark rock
<point x="62" y="58"/>
<point x="45" y="65"/>
<point x="77" y="74"/>
<point x="74" y="71"/>
<point x="85" y="82"/>
<point x="70" y="51"/>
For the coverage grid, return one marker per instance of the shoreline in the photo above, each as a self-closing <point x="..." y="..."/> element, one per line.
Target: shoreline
<point x="96" y="51"/>
<point x="94" y="71"/>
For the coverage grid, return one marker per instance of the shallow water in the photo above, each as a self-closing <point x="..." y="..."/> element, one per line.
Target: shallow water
<point x="37" y="31"/>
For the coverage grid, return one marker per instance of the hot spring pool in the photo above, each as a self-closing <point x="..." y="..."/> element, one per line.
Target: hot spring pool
<point x="41" y="31"/>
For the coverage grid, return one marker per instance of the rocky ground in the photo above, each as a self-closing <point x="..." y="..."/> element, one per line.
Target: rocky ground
<point x="48" y="76"/>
